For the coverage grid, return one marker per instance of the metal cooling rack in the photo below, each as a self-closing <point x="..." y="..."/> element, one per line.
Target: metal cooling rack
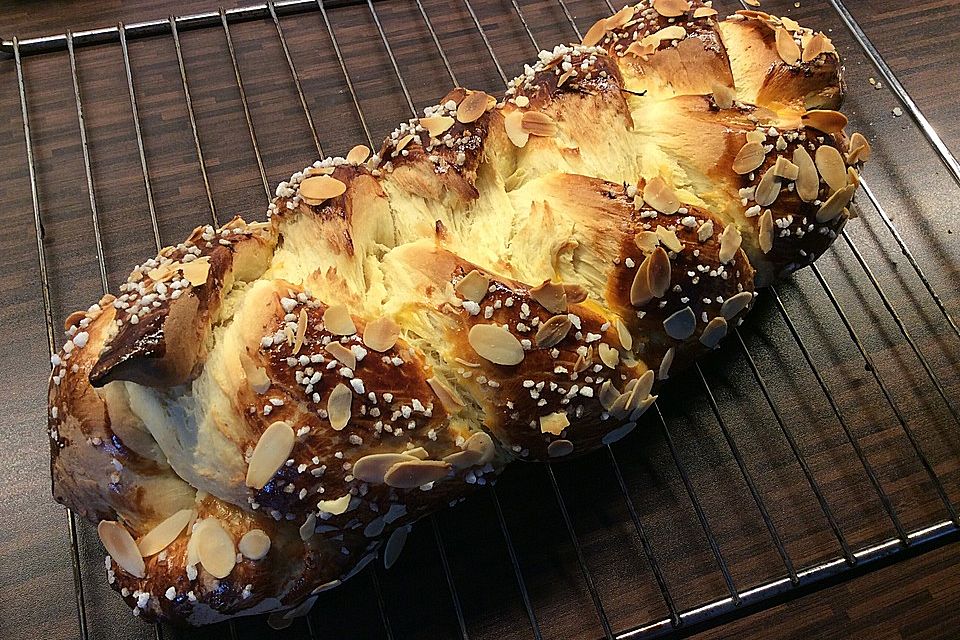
<point x="622" y="483"/>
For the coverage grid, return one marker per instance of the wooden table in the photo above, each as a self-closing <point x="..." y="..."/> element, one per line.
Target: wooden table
<point x="915" y="598"/>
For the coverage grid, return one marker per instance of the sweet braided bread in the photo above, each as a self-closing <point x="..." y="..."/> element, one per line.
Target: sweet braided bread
<point x="266" y="407"/>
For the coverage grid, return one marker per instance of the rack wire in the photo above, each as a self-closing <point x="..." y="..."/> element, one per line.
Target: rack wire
<point x="791" y="577"/>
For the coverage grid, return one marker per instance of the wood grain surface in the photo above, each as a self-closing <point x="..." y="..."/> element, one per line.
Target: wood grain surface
<point x="915" y="598"/>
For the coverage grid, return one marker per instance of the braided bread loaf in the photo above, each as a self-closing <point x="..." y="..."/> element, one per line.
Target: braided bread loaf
<point x="266" y="407"/>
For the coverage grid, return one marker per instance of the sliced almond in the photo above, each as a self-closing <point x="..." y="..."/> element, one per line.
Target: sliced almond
<point x="853" y="177"/>
<point x="437" y="125"/>
<point x="373" y="467"/>
<point x="704" y="12"/>
<point x="196" y="271"/>
<point x="315" y="190"/>
<point x="664" y="371"/>
<point x="622" y="17"/>
<point x="834" y="205"/>
<point x="381" y="334"/>
<point x="537" y="123"/>
<point x="624" y="335"/>
<point x="319" y="171"/>
<point x="816" y="45"/>
<point x="513" y="125"/>
<point x="749" y="158"/>
<point x="394" y="545"/>
<point x="346" y="356"/>
<point x="553" y="331"/>
<point x="671" y="8"/>
<point x="756" y="135"/>
<point x="272" y="451"/>
<point x="254" y="545"/>
<point x="335" y="507"/>
<point x="559" y="448"/>
<point x="785" y="169"/>
<point x="595" y="33"/>
<point x="160" y="537"/>
<point x="472" y="107"/>
<point x="681" y="324"/>
<point x="647" y="241"/>
<point x="640" y="293"/>
<point x="824" y="120"/>
<point x="359" y="154"/>
<point x="551" y="295"/>
<point x="608" y="355"/>
<point x="477" y="450"/>
<point x="575" y="293"/>
<point x="554" y="423"/>
<point x="415" y="473"/>
<point x="403" y="142"/>
<point x="724" y="95"/>
<point x="337" y="321"/>
<point x="765" y="234"/>
<point x="301" y="331"/>
<point x="449" y="398"/>
<point x="658" y="273"/>
<point x="641" y="49"/>
<point x="735" y="304"/>
<point x="768" y="188"/>
<point x="660" y="196"/>
<point x="673" y="32"/>
<point x="418" y="452"/>
<point x="787" y="48"/>
<point x="669" y="239"/>
<point x="859" y="149"/>
<point x="496" y="344"/>
<point x="309" y="527"/>
<point x="120" y="545"/>
<point x="566" y="75"/>
<point x="730" y="241"/>
<point x="473" y="286"/>
<point x="831" y="166"/>
<point x="608" y="395"/>
<point x="339" y="406"/>
<point x="619" y="433"/>
<point x="714" y="332"/>
<point x="215" y="548"/>
<point x="256" y="376"/>
<point x="808" y="180"/>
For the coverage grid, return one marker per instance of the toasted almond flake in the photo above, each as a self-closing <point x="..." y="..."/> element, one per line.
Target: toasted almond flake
<point x="671" y="8"/>
<point x="673" y="32"/>
<point x="669" y="239"/>
<point x="622" y="17"/>
<point x="346" y="356"/>
<point x="472" y="107"/>
<point x="473" y="286"/>
<point x="513" y="125"/>
<point x="816" y="45"/>
<point x="808" y="180"/>
<point x="554" y="423"/>
<point x="619" y="433"/>
<point x="835" y="204"/>
<point x="730" y="241"/>
<point x="373" y="467"/>
<point x="120" y="545"/>
<point x="301" y="331"/>
<point x="787" y="48"/>
<point x="537" y="123"/>
<point x="661" y="197"/>
<point x="496" y="344"/>
<point x="160" y="537"/>
<point x="724" y="95"/>
<point x="551" y="295"/>
<point x="583" y="362"/>
<point x="553" y="331"/>
<point x="272" y="450"/>
<point x="705" y="232"/>
<point x="559" y="448"/>
<point x="640" y="293"/>
<point x="477" y="450"/>
<point x="735" y="304"/>
<point x="381" y="334"/>
<point x="646" y="241"/>
<point x="449" y="398"/>
<point x="335" y="507"/>
<point x="704" y="12"/>
<point x="254" y="545"/>
<point x="595" y="33"/>
<point x="337" y="321"/>
<point x="644" y="384"/>
<point x="196" y="271"/>
<point x="415" y="473"/>
<point x="256" y="376"/>
<point x="608" y="395"/>
<point x="319" y="171"/>
<point x="714" y="332"/>
<point x="359" y="154"/>
<point x="681" y="324"/>
<point x="215" y="548"/>
<point x="749" y="158"/>
<point x="394" y="545"/>
<point x="824" y="120"/>
<point x="765" y="233"/>
<point x="831" y="166"/>
<point x="403" y="142"/>
<point x="767" y="189"/>
<point x="608" y="355"/>
<point x="624" y="335"/>
<point x="575" y="293"/>
<point x="658" y="272"/>
<point x="756" y="135"/>
<point x="564" y="77"/>
<point x="315" y="190"/>
<point x="437" y="125"/>
<point x="664" y="371"/>
<point x="641" y="49"/>
<point x="785" y="169"/>
<point x="158" y="274"/>
<point x="859" y="149"/>
<point x="853" y="177"/>
<point x="339" y="406"/>
<point x="418" y="452"/>
<point x="309" y="527"/>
